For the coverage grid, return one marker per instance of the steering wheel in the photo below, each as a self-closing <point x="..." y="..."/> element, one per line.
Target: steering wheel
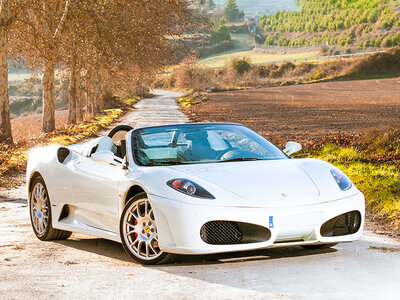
<point x="219" y="157"/>
<point x="119" y="128"/>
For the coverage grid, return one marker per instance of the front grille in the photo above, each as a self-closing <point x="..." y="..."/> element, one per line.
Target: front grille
<point x="347" y="223"/>
<point x="221" y="233"/>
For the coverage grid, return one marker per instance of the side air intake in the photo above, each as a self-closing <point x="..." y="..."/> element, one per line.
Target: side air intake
<point x="347" y="223"/>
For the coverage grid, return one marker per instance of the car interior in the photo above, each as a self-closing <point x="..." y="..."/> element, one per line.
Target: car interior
<point x="114" y="142"/>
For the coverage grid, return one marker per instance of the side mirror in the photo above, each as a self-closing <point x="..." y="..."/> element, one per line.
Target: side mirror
<point x="107" y="156"/>
<point x="292" y="147"/>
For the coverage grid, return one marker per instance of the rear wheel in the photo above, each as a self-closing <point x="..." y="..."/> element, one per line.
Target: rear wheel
<point x="40" y="213"/>
<point x="318" y="246"/>
<point x="138" y="231"/>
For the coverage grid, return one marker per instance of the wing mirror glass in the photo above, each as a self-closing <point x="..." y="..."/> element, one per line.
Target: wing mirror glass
<point x="107" y="156"/>
<point x="292" y="147"/>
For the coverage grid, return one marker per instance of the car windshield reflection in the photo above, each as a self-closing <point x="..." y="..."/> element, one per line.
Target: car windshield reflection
<point x="200" y="143"/>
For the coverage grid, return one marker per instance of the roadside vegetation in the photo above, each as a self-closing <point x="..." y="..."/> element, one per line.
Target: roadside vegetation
<point x="242" y="73"/>
<point x="372" y="162"/>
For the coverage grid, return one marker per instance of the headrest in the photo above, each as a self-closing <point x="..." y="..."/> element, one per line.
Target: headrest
<point x="105" y="143"/>
<point x="200" y="136"/>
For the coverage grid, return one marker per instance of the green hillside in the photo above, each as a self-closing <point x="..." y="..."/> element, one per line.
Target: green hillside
<point x="365" y="23"/>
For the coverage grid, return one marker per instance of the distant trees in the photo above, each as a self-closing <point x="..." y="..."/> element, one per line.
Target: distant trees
<point x="220" y="33"/>
<point x="232" y="11"/>
<point x="98" y="46"/>
<point x="358" y="18"/>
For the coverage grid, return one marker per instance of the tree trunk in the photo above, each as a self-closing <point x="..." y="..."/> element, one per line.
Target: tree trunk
<point x="49" y="123"/>
<point x="90" y="93"/>
<point x="5" y="124"/>
<point x="96" y="94"/>
<point x="79" y="100"/>
<point x="72" y="96"/>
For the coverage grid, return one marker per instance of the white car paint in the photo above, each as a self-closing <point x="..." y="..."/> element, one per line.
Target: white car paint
<point x="299" y="194"/>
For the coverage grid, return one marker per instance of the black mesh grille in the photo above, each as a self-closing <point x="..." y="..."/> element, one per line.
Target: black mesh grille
<point x="344" y="224"/>
<point x="221" y="233"/>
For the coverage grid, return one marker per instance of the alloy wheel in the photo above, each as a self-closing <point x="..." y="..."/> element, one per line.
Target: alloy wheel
<point x="140" y="230"/>
<point x="39" y="208"/>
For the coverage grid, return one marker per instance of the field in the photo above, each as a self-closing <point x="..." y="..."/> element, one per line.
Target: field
<point x="25" y="128"/>
<point x="310" y="111"/>
<point x="218" y="61"/>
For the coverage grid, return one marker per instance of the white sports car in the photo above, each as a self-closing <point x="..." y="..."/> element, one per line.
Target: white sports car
<point x="196" y="188"/>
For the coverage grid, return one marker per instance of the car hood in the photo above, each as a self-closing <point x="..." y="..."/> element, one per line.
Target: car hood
<point x="270" y="183"/>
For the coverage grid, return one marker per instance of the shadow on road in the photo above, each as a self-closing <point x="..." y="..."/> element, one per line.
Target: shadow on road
<point x="13" y="200"/>
<point x="115" y="250"/>
<point x="246" y="256"/>
<point x="98" y="246"/>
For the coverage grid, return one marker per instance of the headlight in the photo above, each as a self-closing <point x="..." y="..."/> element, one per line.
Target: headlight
<point x="189" y="188"/>
<point x="341" y="179"/>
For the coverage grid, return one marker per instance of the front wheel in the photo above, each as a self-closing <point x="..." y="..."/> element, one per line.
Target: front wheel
<point x="138" y="231"/>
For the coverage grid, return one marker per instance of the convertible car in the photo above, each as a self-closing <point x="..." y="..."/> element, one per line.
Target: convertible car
<point x="195" y="188"/>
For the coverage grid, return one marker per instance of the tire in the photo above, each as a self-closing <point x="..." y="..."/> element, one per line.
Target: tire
<point x="40" y="213"/>
<point x="138" y="232"/>
<point x="318" y="246"/>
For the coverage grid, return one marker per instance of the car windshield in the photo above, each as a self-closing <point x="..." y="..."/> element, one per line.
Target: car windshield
<point x="200" y="143"/>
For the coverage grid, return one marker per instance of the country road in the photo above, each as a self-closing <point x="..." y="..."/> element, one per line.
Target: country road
<point x="88" y="267"/>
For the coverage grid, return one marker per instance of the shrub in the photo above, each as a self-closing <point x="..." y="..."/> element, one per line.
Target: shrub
<point x="189" y="75"/>
<point x="316" y="75"/>
<point x="265" y="70"/>
<point x="218" y="48"/>
<point x="282" y="69"/>
<point x="241" y="65"/>
<point x="270" y="40"/>
<point x="378" y="63"/>
<point x="302" y="69"/>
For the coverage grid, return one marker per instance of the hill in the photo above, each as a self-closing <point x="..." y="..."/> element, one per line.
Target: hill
<point x="365" y="23"/>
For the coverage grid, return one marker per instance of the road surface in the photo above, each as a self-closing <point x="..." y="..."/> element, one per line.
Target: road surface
<point x="89" y="267"/>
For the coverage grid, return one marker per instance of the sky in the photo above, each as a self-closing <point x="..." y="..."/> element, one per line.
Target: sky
<point x="250" y="7"/>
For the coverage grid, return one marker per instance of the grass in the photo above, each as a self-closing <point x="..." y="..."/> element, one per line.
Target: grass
<point x="380" y="183"/>
<point x="218" y="61"/>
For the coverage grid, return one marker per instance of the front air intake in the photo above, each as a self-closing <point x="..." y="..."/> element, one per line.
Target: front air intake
<point x="228" y="233"/>
<point x="347" y="223"/>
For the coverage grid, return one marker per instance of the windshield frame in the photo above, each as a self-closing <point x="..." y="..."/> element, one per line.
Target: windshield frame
<point x="134" y="161"/>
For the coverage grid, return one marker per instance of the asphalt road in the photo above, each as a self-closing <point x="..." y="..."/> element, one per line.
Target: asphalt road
<point x="89" y="267"/>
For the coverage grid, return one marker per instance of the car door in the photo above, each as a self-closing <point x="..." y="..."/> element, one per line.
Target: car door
<point x="95" y="186"/>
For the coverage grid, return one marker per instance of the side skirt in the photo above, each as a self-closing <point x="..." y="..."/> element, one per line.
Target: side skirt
<point x="88" y="230"/>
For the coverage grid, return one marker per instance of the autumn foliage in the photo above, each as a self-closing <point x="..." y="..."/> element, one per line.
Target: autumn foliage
<point x="98" y="47"/>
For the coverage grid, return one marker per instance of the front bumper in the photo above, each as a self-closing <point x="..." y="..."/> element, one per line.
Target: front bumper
<point x="179" y="224"/>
